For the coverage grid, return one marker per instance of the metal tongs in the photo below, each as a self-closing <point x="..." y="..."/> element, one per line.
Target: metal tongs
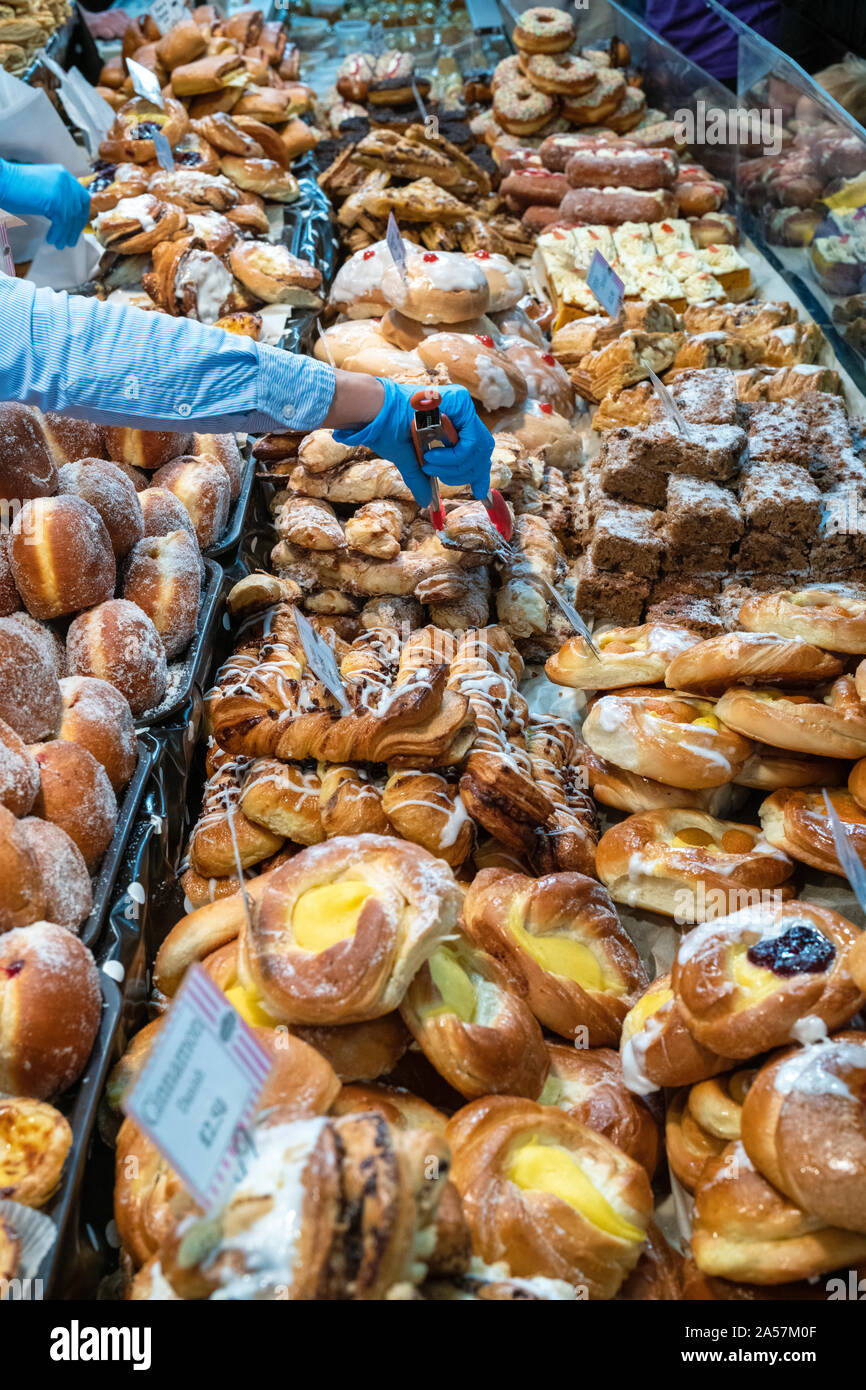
<point x="431" y="428"/>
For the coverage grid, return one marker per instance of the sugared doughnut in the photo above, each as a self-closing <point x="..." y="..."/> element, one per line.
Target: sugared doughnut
<point x="162" y="577"/>
<point x="21" y="895"/>
<point x="119" y="644"/>
<point x="10" y="599"/>
<point x="203" y="488"/>
<point x="164" y="512"/>
<point x="476" y="363"/>
<point x="546" y="379"/>
<point x="61" y="556"/>
<point x="48" y="643"/>
<point x="97" y="717"/>
<point x="222" y="449"/>
<point x="66" y="890"/>
<point x="629" y="113"/>
<point x="440" y="287"/>
<point x="19" y="775"/>
<point x="107" y="488"/>
<point x="50" y="1006"/>
<point x="568" y="75"/>
<point x="29" y="691"/>
<point x="544" y="29"/>
<point x="147" y="449"/>
<point x="520" y="108"/>
<point x="601" y="101"/>
<point x="75" y="793"/>
<point x="70" y="439"/>
<point x="27" y="467"/>
<point x="507" y="284"/>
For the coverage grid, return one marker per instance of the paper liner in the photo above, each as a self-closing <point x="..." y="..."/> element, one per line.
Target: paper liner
<point x="35" y="1230"/>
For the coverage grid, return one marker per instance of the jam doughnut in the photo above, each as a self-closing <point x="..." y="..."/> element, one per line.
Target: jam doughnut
<point x="568" y="76"/>
<point x="544" y="30"/>
<point x="520" y="108"/>
<point x="533" y="188"/>
<point x="596" y="105"/>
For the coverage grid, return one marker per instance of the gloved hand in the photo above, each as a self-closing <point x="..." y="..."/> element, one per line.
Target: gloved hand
<point x="389" y="436"/>
<point x="46" y="190"/>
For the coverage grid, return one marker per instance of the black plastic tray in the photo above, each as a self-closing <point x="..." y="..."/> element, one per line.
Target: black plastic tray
<point x="231" y="537"/>
<point x="103" y="888"/>
<point x="198" y="653"/>
<point x="309" y="233"/>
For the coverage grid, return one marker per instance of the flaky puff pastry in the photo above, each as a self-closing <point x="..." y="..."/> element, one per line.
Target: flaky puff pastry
<point x="750" y="658"/>
<point x="832" y="616"/>
<point x="548" y="1194"/>
<point x="135" y="225"/>
<point x="560" y="939"/>
<point x="339" y="1209"/>
<point x="341" y="929"/>
<point x="743" y="982"/>
<point x="831" y="724"/>
<point x="479" y="1034"/>
<point x="804" y="1128"/>
<point x="796" y="821"/>
<point x="629" y="656"/>
<point x="688" y="865"/>
<point x="657" y="1048"/>
<point x="426" y="809"/>
<point x="34" y="1141"/>
<point x="587" y="1084"/>
<point x="744" y="1229"/>
<point x="283" y="798"/>
<point x="678" y="739"/>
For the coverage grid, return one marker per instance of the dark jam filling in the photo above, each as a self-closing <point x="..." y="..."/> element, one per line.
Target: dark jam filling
<point x="101" y="181"/>
<point x="14" y="968"/>
<point x="145" y="130"/>
<point x="801" y="950"/>
<point x="189" y="158"/>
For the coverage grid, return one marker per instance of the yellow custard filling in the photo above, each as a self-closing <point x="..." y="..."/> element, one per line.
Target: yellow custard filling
<point x="325" y="915"/>
<point x="552" y="1169"/>
<point x="454" y="985"/>
<point x="646" y="1006"/>
<point x="755" y="982"/>
<point x="562" y="955"/>
<point x="249" y="1006"/>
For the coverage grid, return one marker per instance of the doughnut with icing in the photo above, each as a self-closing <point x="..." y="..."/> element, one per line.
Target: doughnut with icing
<point x="507" y="284"/>
<point x="476" y="363"/>
<point x="520" y="108"/>
<point x="544" y="29"/>
<point x="568" y="75"/>
<point x="440" y="286"/>
<point x="545" y="379"/>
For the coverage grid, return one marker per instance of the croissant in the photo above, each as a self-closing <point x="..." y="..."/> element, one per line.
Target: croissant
<point x="560" y="937"/>
<point x="284" y="799"/>
<point x="587" y="1083"/>
<point x="479" y="1034"/>
<point x="223" y="833"/>
<point x="548" y="1194"/>
<point x="428" y="810"/>
<point x="568" y="840"/>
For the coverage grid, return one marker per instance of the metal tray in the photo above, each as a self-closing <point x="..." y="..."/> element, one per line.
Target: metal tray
<point x="231" y="537"/>
<point x="194" y="666"/>
<point x="148" y="756"/>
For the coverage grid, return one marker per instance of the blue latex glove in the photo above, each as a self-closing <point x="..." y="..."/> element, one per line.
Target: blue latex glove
<point x="389" y="436"/>
<point x="46" y="190"/>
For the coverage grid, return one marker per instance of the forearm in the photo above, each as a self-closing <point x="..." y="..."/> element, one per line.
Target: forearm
<point x="109" y="364"/>
<point x="357" y="400"/>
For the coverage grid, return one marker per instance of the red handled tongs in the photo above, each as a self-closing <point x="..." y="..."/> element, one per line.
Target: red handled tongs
<point x="431" y="428"/>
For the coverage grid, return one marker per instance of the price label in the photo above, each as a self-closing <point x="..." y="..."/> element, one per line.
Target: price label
<point x="198" y="1089"/>
<point x="605" y="284"/>
<point x="669" y="405"/>
<point x="418" y="102"/>
<point x="396" y="246"/>
<point x="376" y="42"/>
<point x="321" y="661"/>
<point x="846" y="853"/>
<point x="145" y="83"/>
<point x="164" y="156"/>
<point x="166" y="13"/>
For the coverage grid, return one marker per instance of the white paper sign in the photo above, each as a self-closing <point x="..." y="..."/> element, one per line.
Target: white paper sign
<point x="605" y="284"/>
<point x="669" y="405"/>
<point x="84" y="106"/>
<point x="321" y="660"/>
<point x="145" y="83"/>
<point x="164" y="156"/>
<point x="166" y="13"/>
<point x="395" y="245"/>
<point x="198" y="1088"/>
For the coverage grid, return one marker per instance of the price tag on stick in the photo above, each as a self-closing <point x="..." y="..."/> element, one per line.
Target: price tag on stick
<point x="164" y="156"/>
<point x="395" y="245"/>
<point x="418" y="102"/>
<point x="198" y="1088"/>
<point x="847" y="854"/>
<point x="321" y="661"/>
<point x="669" y="405"/>
<point x="145" y="83"/>
<point x="5" y="249"/>
<point x="605" y="284"/>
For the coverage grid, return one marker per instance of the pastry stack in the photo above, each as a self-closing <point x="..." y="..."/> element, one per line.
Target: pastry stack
<point x="25" y="28"/>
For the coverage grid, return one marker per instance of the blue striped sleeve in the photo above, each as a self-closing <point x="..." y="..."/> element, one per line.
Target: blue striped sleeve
<point x="110" y="363"/>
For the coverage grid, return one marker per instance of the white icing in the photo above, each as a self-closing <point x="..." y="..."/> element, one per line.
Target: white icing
<point x="209" y="278"/>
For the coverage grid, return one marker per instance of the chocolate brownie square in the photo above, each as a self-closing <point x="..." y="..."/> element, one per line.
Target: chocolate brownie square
<point x="697" y="559"/>
<point x="811" y="431"/>
<point x="686" y="603"/>
<point x="632" y="470"/>
<point x="708" y="396"/>
<point x="628" y="539"/>
<point x="762" y="551"/>
<point x="604" y="594"/>
<point x="699" y="512"/>
<point x="780" y="497"/>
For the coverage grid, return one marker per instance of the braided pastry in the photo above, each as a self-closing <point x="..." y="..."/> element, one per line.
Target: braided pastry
<point x="223" y="833"/>
<point x="428" y="810"/>
<point x="569" y="838"/>
<point x="284" y="799"/>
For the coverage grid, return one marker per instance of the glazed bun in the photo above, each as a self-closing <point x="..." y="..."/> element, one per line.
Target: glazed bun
<point x="119" y="644"/>
<point x="440" y="287"/>
<point x="21" y="894"/>
<point x="61" y="556"/>
<point x="162" y="577"/>
<point x="222" y="449"/>
<point x="10" y="599"/>
<point x="147" y="449"/>
<point x="97" y="717"/>
<point x="27" y="467"/>
<point x="203" y="488"/>
<point x="19" y="775"/>
<point x="49" y="1009"/>
<point x="29" y="690"/>
<point x="107" y="488"/>
<point x="75" y="793"/>
<point x="66" y="890"/>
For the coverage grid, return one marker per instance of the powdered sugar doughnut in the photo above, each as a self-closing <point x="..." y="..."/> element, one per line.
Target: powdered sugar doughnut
<point x="164" y="512"/>
<point x="520" y="108"/>
<point x="477" y="364"/>
<point x="66" y="889"/>
<point x="71" y="439"/>
<point x="440" y="287"/>
<point x="147" y="449"/>
<point x="97" y="717"/>
<point x="203" y="488"/>
<point x="162" y="578"/>
<point x="19" y="775"/>
<point x="75" y="793"/>
<point x="222" y="449"/>
<point x="507" y="284"/>
<point x="27" y="467"/>
<point x="356" y="290"/>
<point x="107" y="488"/>
<point x="546" y="379"/>
<point x="568" y="75"/>
<point x="118" y="643"/>
<point x="50" y="646"/>
<point x="29" y="690"/>
<point x="61" y="556"/>
<point x="10" y="599"/>
<point x="544" y="30"/>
